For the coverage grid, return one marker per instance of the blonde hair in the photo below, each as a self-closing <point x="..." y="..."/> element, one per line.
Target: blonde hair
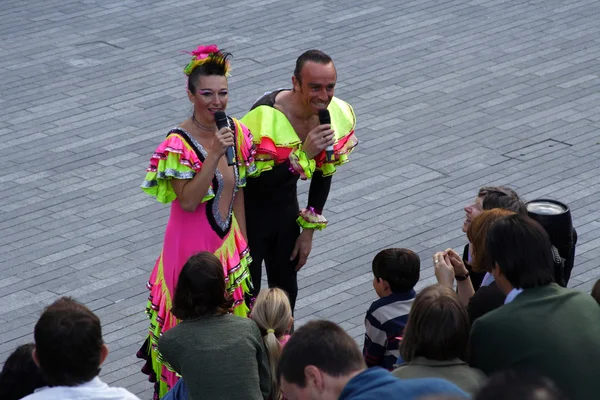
<point x="272" y="313"/>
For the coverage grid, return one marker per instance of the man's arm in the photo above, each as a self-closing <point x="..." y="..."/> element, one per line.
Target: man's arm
<point x="317" y="196"/>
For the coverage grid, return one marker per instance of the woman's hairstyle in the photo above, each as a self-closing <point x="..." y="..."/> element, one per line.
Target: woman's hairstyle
<point x="273" y="315"/>
<point x="20" y="375"/>
<point x="477" y="232"/>
<point x="200" y="290"/>
<point x="206" y="61"/>
<point x="437" y="328"/>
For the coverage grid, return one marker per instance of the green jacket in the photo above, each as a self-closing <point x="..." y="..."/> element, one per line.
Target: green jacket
<point x="551" y="330"/>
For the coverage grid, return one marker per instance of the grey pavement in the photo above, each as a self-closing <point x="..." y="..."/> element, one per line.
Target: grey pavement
<point x="450" y="95"/>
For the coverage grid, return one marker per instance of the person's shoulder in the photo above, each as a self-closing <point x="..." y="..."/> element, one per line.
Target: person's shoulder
<point x="375" y="305"/>
<point x="42" y="394"/>
<point x="267" y="99"/>
<point x="340" y="102"/>
<point x="431" y="386"/>
<point x="118" y="393"/>
<point x="489" y="295"/>
<point x="242" y="323"/>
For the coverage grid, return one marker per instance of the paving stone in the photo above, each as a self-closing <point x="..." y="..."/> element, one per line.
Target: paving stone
<point x="452" y="96"/>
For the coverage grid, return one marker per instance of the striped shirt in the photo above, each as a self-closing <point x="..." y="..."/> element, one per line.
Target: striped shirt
<point x="384" y="327"/>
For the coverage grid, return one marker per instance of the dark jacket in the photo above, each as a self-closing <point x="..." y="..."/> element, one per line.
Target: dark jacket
<point x="485" y="299"/>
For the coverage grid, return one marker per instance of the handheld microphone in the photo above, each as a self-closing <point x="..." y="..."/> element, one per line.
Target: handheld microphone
<point x="221" y="121"/>
<point x="324" y="118"/>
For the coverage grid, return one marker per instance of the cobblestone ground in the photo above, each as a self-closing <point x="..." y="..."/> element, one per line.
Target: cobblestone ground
<point x="450" y="95"/>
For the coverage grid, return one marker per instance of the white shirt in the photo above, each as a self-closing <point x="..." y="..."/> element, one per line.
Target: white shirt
<point x="512" y="294"/>
<point x="488" y="279"/>
<point x="92" y="390"/>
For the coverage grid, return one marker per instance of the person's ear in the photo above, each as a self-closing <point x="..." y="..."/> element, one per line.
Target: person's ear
<point x="295" y="83"/>
<point x="103" y="353"/>
<point x="190" y="96"/>
<point x="314" y="377"/>
<point x="385" y="283"/>
<point x="35" y="357"/>
<point x="289" y="328"/>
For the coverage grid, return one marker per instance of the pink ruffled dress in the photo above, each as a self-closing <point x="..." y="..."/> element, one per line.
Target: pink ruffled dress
<point x="180" y="156"/>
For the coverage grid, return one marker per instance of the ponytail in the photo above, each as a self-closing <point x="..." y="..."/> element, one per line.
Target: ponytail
<point x="273" y="314"/>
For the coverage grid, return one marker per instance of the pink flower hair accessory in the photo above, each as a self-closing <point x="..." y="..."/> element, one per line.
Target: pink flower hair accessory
<point x="204" y="51"/>
<point x="203" y="54"/>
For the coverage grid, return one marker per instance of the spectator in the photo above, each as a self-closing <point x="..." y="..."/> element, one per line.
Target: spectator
<point x="69" y="351"/>
<point x="448" y="266"/>
<point x="322" y="362"/>
<point x="396" y="272"/>
<point x="519" y="385"/>
<point x="435" y="340"/>
<point x="487" y="198"/>
<point x="20" y="375"/>
<point x="273" y="315"/>
<point x="219" y="355"/>
<point x="544" y="327"/>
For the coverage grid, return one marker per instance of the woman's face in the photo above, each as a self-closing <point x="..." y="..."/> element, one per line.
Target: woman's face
<point x="472" y="210"/>
<point x="211" y="96"/>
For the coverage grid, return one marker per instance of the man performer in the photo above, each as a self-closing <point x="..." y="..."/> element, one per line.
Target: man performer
<point x="291" y="144"/>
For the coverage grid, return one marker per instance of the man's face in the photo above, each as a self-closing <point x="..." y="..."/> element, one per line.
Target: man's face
<point x="316" y="85"/>
<point x="472" y="211"/>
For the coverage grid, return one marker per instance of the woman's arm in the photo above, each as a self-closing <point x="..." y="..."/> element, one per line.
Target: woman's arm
<point x="465" y="287"/>
<point x="240" y="212"/>
<point x="190" y="192"/>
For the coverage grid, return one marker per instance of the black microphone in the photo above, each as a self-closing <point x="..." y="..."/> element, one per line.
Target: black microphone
<point x="221" y="121"/>
<point x="324" y="119"/>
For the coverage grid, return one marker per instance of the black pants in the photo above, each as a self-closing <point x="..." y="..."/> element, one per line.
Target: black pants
<point x="271" y="238"/>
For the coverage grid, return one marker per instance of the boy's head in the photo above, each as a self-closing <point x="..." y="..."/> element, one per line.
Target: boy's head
<point x="395" y="271"/>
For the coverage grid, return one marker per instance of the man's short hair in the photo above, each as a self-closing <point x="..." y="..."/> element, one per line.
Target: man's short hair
<point x="399" y="267"/>
<point x="502" y="197"/>
<point x="522" y="385"/>
<point x="315" y="56"/>
<point x="322" y="344"/>
<point x="68" y="343"/>
<point x="521" y="248"/>
<point x="438" y="326"/>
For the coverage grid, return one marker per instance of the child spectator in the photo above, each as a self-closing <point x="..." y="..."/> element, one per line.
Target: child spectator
<point x="273" y="315"/>
<point x="396" y="272"/>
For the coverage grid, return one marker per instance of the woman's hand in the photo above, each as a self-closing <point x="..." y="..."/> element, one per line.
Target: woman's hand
<point x="444" y="272"/>
<point x="457" y="262"/>
<point x="220" y="142"/>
